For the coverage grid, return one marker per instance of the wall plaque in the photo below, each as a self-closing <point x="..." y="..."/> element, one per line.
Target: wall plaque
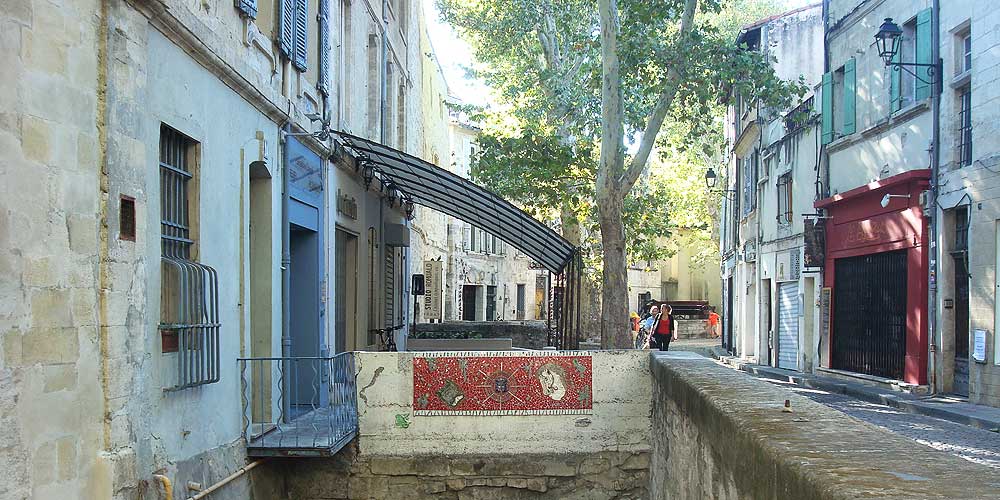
<point x="515" y="383"/>
<point x="347" y="205"/>
<point x="432" y="289"/>
<point x="825" y="297"/>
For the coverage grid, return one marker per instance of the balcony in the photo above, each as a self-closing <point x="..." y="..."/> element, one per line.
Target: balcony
<point x="298" y="406"/>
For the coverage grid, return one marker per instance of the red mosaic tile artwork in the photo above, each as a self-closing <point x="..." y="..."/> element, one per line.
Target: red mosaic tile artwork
<point x="448" y="384"/>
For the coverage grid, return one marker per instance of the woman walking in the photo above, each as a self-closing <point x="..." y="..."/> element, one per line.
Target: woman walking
<point x="663" y="329"/>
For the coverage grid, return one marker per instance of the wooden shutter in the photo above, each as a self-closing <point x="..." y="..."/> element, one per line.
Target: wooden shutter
<point x="323" y="80"/>
<point x="895" y="86"/>
<point x="850" y="97"/>
<point x="301" y="33"/>
<point x="286" y="22"/>
<point x="247" y="7"/>
<point x="827" y="108"/>
<point x="923" y="87"/>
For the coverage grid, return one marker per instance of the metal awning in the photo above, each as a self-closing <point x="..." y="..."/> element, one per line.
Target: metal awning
<point x="431" y="186"/>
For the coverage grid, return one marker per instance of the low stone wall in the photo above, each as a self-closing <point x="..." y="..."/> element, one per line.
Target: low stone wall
<point x="526" y="334"/>
<point x="722" y="434"/>
<point x="691" y="329"/>
<point x="606" y="475"/>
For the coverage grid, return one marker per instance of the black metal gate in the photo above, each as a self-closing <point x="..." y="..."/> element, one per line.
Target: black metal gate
<point x="869" y="314"/>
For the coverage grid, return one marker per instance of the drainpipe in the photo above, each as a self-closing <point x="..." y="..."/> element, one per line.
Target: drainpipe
<point x="286" y="279"/>
<point x="932" y="208"/>
<point x="243" y="470"/>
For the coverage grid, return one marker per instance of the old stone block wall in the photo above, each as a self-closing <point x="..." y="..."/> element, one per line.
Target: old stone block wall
<point x="605" y="475"/>
<point x="722" y="434"/>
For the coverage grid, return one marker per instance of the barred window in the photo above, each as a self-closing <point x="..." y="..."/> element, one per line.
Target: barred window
<point x="189" y="291"/>
<point x="965" y="126"/>
<point x="785" y="199"/>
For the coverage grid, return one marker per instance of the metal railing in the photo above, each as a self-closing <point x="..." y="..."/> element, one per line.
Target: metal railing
<point x="298" y="405"/>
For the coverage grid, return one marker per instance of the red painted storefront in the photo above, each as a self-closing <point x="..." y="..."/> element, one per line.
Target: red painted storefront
<point x="859" y="225"/>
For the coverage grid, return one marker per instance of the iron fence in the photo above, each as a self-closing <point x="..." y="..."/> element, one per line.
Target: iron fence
<point x="298" y="405"/>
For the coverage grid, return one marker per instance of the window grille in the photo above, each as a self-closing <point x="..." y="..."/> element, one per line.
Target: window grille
<point x="785" y="199"/>
<point x="965" y="126"/>
<point x="189" y="291"/>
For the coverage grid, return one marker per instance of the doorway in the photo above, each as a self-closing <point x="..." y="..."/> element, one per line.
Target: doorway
<point x="766" y="327"/>
<point x="346" y="292"/>
<point x="469" y="302"/>
<point x="788" y="325"/>
<point x="304" y="323"/>
<point x="727" y="337"/>
<point x="491" y="303"/>
<point x="520" y="301"/>
<point x="960" y="255"/>
<point x="869" y="314"/>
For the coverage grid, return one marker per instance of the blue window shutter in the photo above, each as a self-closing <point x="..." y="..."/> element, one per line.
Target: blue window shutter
<point x="301" y="32"/>
<point x="827" y="109"/>
<point x="923" y="87"/>
<point x="323" y="80"/>
<point x="286" y="23"/>
<point x="850" y="97"/>
<point x="247" y="7"/>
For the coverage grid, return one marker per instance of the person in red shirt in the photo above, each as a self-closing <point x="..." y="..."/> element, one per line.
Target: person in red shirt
<point x="664" y="329"/>
<point x="712" y="324"/>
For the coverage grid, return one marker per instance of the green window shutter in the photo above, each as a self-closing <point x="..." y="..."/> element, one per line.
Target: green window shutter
<point x="301" y="32"/>
<point x="895" y="84"/>
<point x="286" y="23"/>
<point x="323" y="80"/>
<point x="827" y="109"/>
<point x="923" y="87"/>
<point x="850" y="97"/>
<point x="247" y="7"/>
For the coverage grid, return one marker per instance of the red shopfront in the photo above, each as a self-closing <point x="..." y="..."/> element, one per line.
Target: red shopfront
<point x="876" y="264"/>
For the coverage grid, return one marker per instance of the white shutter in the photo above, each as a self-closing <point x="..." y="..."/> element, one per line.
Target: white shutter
<point x="788" y="325"/>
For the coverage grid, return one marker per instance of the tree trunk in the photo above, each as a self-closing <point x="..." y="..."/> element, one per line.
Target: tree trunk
<point x="608" y="193"/>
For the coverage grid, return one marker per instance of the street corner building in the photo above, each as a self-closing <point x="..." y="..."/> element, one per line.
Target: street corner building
<point x="887" y="205"/>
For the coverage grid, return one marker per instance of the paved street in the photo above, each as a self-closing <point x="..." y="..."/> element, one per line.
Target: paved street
<point x="976" y="445"/>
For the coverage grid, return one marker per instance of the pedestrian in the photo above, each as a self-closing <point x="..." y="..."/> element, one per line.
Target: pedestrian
<point x="712" y="323"/>
<point x="642" y="339"/>
<point x="664" y="329"/>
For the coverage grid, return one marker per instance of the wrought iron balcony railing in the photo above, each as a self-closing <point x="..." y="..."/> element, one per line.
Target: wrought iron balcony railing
<point x="298" y="406"/>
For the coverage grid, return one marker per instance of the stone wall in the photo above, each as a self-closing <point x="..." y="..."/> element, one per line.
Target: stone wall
<point x="722" y="434"/>
<point x="527" y="334"/>
<point x="606" y="475"/>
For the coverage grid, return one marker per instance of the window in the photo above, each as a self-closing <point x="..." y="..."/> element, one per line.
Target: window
<point x="750" y="166"/>
<point x="963" y="51"/>
<point x="785" y="199"/>
<point x="965" y="126"/>
<point x="189" y="290"/>
<point x="907" y="88"/>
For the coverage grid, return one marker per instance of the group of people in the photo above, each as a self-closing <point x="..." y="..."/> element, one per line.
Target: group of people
<point x="656" y="328"/>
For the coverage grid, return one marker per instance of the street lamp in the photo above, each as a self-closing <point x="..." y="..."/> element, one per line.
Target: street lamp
<point x="711" y="179"/>
<point x="889" y="40"/>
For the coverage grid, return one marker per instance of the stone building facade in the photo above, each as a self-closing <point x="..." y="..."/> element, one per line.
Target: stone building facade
<point x="142" y="227"/>
<point x="767" y="298"/>
<point x="904" y="207"/>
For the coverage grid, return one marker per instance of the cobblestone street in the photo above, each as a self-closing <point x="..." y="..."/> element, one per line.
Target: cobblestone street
<point x="975" y="445"/>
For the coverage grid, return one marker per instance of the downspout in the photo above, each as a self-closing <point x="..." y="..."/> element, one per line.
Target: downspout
<point x="286" y="278"/>
<point x="931" y="206"/>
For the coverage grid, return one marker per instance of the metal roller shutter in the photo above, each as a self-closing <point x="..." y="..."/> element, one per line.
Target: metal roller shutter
<point x="788" y="325"/>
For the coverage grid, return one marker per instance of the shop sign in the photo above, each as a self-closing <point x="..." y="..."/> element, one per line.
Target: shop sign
<point x="347" y="205"/>
<point x="432" y="289"/>
<point x="815" y="242"/>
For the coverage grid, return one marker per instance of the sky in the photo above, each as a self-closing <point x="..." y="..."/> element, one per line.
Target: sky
<point x="455" y="56"/>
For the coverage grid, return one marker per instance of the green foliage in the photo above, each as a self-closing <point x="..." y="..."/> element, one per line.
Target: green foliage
<point x="544" y="58"/>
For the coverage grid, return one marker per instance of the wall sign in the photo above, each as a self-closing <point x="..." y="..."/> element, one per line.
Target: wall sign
<point x="814" y="235"/>
<point x="432" y="289"/>
<point x="347" y="205"/>
<point x="516" y="383"/>
<point x="825" y="296"/>
<point x="979" y="346"/>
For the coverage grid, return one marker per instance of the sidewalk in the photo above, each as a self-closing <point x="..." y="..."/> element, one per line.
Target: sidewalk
<point x="946" y="407"/>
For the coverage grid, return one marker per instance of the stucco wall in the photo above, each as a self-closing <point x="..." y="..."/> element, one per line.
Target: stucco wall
<point x="620" y="419"/>
<point x="719" y="433"/>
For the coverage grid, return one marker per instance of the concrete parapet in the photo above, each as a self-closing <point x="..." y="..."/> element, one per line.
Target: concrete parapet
<point x="723" y="434"/>
<point x="527" y="334"/>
